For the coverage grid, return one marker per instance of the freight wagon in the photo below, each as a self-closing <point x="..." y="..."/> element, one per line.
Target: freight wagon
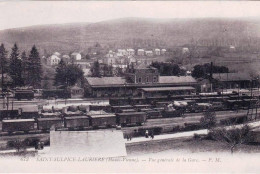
<point x="103" y="120"/>
<point x="131" y="118"/>
<point x="76" y="122"/>
<point x="152" y="114"/>
<point x="49" y="123"/>
<point x="23" y="94"/>
<point x="18" y="125"/>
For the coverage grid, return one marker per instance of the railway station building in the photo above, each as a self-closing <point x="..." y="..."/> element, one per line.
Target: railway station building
<point x="140" y="81"/>
<point x="233" y="80"/>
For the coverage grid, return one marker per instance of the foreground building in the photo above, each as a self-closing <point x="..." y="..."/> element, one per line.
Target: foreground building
<point x="140" y="81"/>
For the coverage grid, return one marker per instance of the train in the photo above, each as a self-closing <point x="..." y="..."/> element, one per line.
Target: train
<point x="84" y="121"/>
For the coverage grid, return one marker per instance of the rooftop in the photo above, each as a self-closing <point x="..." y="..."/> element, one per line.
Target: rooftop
<point x="106" y="81"/>
<point x="132" y="113"/>
<point x="75" y="53"/>
<point x="231" y="76"/>
<point x="18" y="120"/>
<point x="181" y="88"/>
<point x="176" y="79"/>
<point x="49" y="119"/>
<point x="120" y="81"/>
<point x="56" y="54"/>
<point x="100" y="112"/>
<point x="102" y="115"/>
<point x="76" y="117"/>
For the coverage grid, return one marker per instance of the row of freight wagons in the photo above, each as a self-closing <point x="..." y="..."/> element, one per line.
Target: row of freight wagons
<point x="94" y="121"/>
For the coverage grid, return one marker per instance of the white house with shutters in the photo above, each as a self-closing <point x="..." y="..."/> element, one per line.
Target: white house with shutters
<point x="53" y="60"/>
<point x="130" y="52"/>
<point x="140" y="52"/>
<point x="149" y="53"/>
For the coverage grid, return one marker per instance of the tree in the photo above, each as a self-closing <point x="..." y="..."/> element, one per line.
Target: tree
<point x="17" y="144"/>
<point x="25" y="67"/>
<point x="107" y="71"/>
<point x="209" y="119"/>
<point x="68" y="75"/>
<point x="60" y="76"/>
<point x="87" y="57"/>
<point x="167" y="69"/>
<point x="3" y="62"/>
<point x="74" y="74"/>
<point x="95" y="69"/>
<point x="233" y="136"/>
<point x="119" y="72"/>
<point x="16" y="67"/>
<point x="204" y="70"/>
<point x="35" y="70"/>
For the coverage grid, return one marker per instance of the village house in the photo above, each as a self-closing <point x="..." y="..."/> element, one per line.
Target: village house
<point x="149" y="53"/>
<point x="163" y="51"/>
<point x="157" y="52"/>
<point x="130" y="52"/>
<point x="121" y="52"/>
<point x="140" y="81"/>
<point x="140" y="52"/>
<point x="111" y="54"/>
<point x="53" y="60"/>
<point x="76" y="56"/>
<point x="185" y="50"/>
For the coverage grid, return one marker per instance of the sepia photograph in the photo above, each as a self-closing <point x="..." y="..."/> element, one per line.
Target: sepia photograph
<point x="129" y="86"/>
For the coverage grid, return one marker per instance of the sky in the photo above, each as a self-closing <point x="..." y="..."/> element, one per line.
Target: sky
<point x="16" y="14"/>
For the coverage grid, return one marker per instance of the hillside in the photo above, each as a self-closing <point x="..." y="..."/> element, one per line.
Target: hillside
<point x="133" y="32"/>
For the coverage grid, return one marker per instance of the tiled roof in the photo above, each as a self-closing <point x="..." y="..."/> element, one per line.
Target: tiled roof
<point x="176" y="79"/>
<point x="110" y="81"/>
<point x="74" y="54"/>
<point x="231" y="76"/>
<point x="105" y="81"/>
<point x="57" y="54"/>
